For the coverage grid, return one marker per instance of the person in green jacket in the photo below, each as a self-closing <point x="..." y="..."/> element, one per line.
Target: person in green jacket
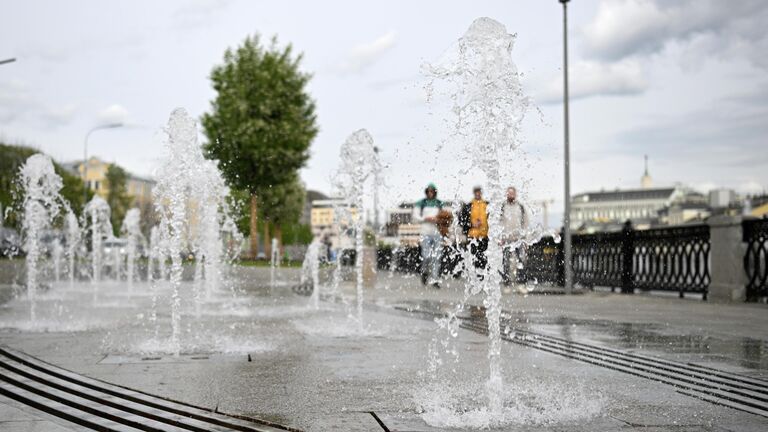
<point x="425" y="213"/>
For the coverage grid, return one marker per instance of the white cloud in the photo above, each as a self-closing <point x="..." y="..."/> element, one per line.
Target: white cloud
<point x="625" y="28"/>
<point x="751" y="187"/>
<point x="15" y="100"/>
<point x="18" y="104"/>
<point x="113" y="114"/>
<point x="53" y="117"/>
<point x="364" y="55"/>
<point x="587" y="79"/>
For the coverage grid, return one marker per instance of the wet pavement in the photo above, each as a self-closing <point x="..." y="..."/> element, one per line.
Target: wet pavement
<point x="268" y="354"/>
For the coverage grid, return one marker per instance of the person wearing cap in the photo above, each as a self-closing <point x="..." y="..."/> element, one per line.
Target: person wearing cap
<point x="478" y="230"/>
<point x="425" y="213"/>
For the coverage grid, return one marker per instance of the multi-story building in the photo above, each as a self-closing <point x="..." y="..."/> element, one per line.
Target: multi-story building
<point x="138" y="188"/>
<point x="332" y="218"/>
<point x="597" y="211"/>
<point x="306" y="212"/>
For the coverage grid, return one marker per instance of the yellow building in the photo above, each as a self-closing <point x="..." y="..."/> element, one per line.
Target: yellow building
<point x="140" y="189"/>
<point x="323" y="220"/>
<point x="761" y="211"/>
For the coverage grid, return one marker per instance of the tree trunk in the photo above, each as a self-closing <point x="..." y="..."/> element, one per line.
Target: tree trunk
<point x="278" y="233"/>
<point x="254" y="226"/>
<point x="267" y="240"/>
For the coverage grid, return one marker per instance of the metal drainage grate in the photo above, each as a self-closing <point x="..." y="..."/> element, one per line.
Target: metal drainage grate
<point x="103" y="406"/>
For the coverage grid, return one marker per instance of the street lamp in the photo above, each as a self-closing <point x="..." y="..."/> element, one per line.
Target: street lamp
<point x="567" y="252"/>
<point x="85" y="154"/>
<point x="6" y="61"/>
<point x="376" y="172"/>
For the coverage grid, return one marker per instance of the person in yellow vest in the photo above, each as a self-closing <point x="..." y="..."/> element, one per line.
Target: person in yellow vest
<point x="478" y="230"/>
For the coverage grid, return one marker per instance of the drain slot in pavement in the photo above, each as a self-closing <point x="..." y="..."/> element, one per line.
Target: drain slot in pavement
<point x="379" y="421"/>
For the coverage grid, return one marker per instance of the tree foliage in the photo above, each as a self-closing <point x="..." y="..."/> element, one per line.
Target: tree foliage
<point x="262" y="120"/>
<point x="282" y="204"/>
<point x="12" y="157"/>
<point x="118" y="199"/>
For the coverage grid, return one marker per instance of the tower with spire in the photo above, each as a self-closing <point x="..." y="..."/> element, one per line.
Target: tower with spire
<point x="645" y="181"/>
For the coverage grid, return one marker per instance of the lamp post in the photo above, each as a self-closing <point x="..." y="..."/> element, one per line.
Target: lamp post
<point x="6" y="61"/>
<point x="85" y="155"/>
<point x="376" y="179"/>
<point x="567" y="252"/>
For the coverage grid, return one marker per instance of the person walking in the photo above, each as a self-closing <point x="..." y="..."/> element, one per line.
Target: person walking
<point x="478" y="230"/>
<point x="425" y="213"/>
<point x="514" y="223"/>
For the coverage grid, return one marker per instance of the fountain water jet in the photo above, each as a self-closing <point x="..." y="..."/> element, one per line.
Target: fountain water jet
<point x="190" y="188"/>
<point x="358" y="163"/>
<point x="73" y="239"/>
<point x="42" y="203"/>
<point x="97" y="211"/>
<point x="310" y="270"/>
<point x="488" y="105"/>
<point x="131" y="231"/>
<point x="56" y="253"/>
<point x="274" y="262"/>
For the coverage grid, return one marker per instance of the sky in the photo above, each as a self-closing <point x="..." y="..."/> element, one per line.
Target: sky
<point x="683" y="81"/>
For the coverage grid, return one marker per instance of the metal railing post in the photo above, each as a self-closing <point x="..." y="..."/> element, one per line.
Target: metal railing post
<point x="627" y="256"/>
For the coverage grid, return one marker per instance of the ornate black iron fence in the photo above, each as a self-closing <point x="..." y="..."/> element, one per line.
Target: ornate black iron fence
<point x="666" y="259"/>
<point x="544" y="262"/>
<point x="755" y="235"/>
<point x="598" y="259"/>
<point x="672" y="259"/>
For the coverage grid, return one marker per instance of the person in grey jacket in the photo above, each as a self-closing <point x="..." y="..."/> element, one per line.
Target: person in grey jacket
<point x="514" y="223"/>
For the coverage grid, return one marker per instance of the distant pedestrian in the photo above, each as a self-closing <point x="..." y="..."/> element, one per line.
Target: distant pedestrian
<point x="514" y="223"/>
<point x="478" y="230"/>
<point x="426" y="212"/>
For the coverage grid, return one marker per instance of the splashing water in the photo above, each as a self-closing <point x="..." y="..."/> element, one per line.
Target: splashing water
<point x="97" y="212"/>
<point x="73" y="239"/>
<point x="487" y="107"/>
<point x="358" y="163"/>
<point x="189" y="188"/>
<point x="214" y="214"/>
<point x="310" y="270"/>
<point x="172" y="194"/>
<point x="42" y="204"/>
<point x="57" y="250"/>
<point x="274" y="262"/>
<point x="131" y="231"/>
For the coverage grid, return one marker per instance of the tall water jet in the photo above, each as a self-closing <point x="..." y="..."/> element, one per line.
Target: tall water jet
<point x="172" y="194"/>
<point x="214" y="214"/>
<point x="488" y="105"/>
<point x="154" y="253"/>
<point x="41" y="205"/>
<point x="358" y="162"/>
<point x="274" y="262"/>
<point x="97" y="214"/>
<point x="131" y="231"/>
<point x="73" y="240"/>
<point x="57" y="250"/>
<point x="310" y="270"/>
<point x="188" y="188"/>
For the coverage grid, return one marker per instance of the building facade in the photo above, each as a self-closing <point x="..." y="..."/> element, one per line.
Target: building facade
<point x="95" y="179"/>
<point x="332" y="219"/>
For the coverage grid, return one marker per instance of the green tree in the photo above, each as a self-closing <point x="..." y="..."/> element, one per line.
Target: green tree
<point x="12" y="157"/>
<point x="281" y="205"/>
<point x="118" y="199"/>
<point x="262" y="120"/>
